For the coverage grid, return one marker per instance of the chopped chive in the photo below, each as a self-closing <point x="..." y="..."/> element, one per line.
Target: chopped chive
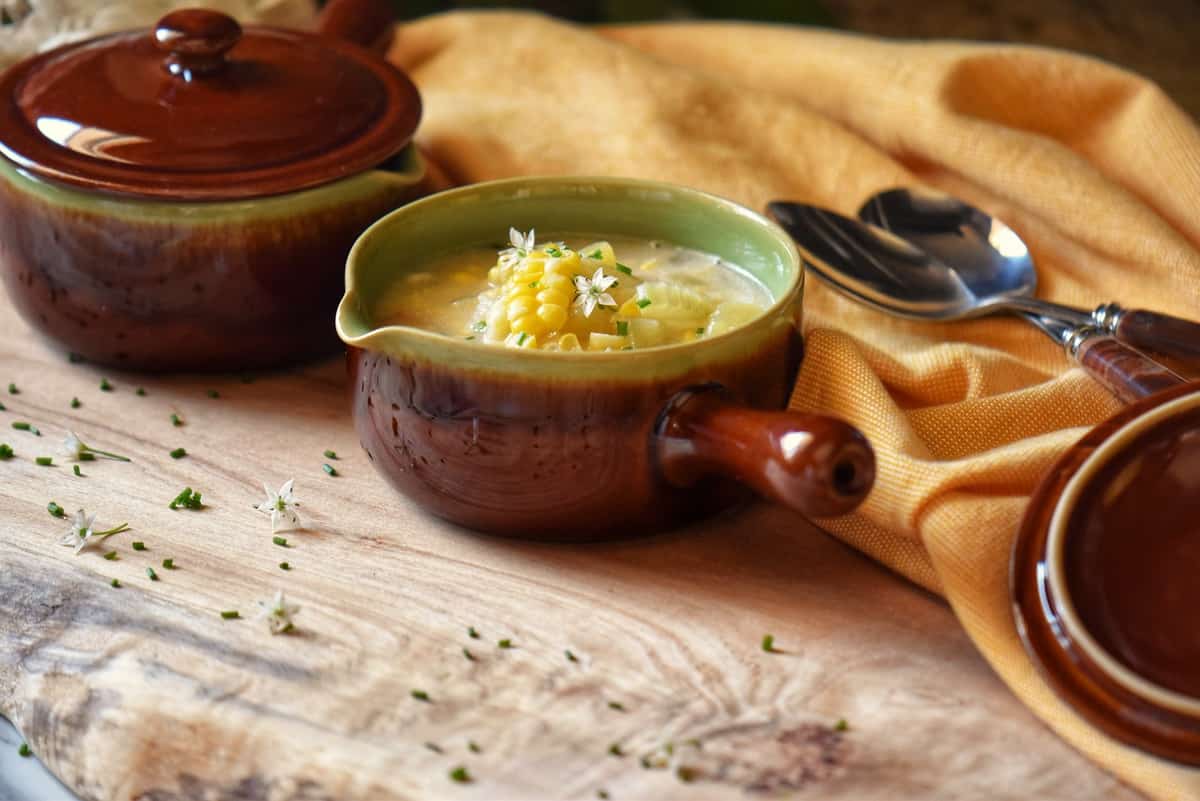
<point x="615" y="750"/>
<point x="521" y="339"/>
<point x="24" y="750"/>
<point x="768" y="643"/>
<point x="105" y="386"/>
<point x="284" y="566"/>
<point x="20" y="425"/>
<point x="469" y="656"/>
<point x="178" y="453"/>
<point x="330" y="455"/>
<point x="168" y="564"/>
<point x="111" y="556"/>
<point x="12" y="390"/>
<point x="140" y="392"/>
<point x="6" y="451"/>
<point x="841" y="725"/>
<point x="187" y="499"/>
<point x="434" y="747"/>
<point x="596" y="254"/>
<point x="212" y="393"/>
<point x="686" y="774"/>
<point x="138" y="545"/>
<point x="231" y="614"/>
<point x="643" y="303"/>
<point x="699" y="332"/>
<point x="3" y="408"/>
<point x="602" y="795"/>
<point x="472" y="633"/>
<point x="421" y="695"/>
<point x="624" y="269"/>
<point x="280" y="541"/>
<point x="75" y="404"/>
<point x="622" y="328"/>
<point x="55" y="510"/>
<point x="473" y="747"/>
<point x="328" y="468"/>
<point x="505" y="643"/>
<point x="461" y="775"/>
<point x="469" y="338"/>
<point x="115" y="583"/>
<point x="570" y="656"/>
<point x="150" y="572"/>
<point x="45" y="461"/>
<point x="533" y="284"/>
<point x="480" y="326"/>
<point x="176" y="420"/>
<point x="617" y="705"/>
<point x="87" y="456"/>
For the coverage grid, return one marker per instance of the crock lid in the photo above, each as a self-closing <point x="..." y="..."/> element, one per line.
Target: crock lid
<point x="200" y="109"/>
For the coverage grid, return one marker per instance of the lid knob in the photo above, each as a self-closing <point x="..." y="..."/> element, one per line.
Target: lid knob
<point x="197" y="40"/>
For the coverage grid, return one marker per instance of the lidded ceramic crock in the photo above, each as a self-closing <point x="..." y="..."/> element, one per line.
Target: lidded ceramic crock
<point x="201" y="109"/>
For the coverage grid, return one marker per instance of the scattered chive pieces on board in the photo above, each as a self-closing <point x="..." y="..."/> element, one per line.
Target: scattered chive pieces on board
<point x="230" y="614"/>
<point x="105" y="386"/>
<point x="87" y="456"/>
<point x="505" y="643"/>
<point x="150" y="572"/>
<point x="617" y="705"/>
<point x="178" y="453"/>
<point x="24" y="750"/>
<point x="768" y="643"/>
<point x="472" y="633"/>
<point x="284" y="566"/>
<point x="570" y="656"/>
<point x="141" y="393"/>
<point x="138" y="545"/>
<point x="328" y="468"/>
<point x="420" y="695"/>
<point x="111" y="556"/>
<point x="3" y="408"/>
<point x="21" y="425"/>
<point x="75" y="404"/>
<point x="176" y="420"/>
<point x="169" y="564"/>
<point x="469" y="656"/>
<point x="434" y="747"/>
<point x="212" y="393"/>
<point x="473" y="747"/>
<point x="12" y="390"/>
<point x="841" y="725"/>
<point x="685" y="774"/>
<point x="330" y="455"/>
<point x="602" y="794"/>
<point x="115" y="583"/>
<point x="280" y="541"/>
<point x="45" y="461"/>
<point x="6" y="451"/>
<point x="461" y="775"/>
<point x="55" y="510"/>
<point x="615" y="750"/>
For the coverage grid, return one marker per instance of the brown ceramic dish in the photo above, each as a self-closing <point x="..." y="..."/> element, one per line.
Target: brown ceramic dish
<point x="1104" y="575"/>
<point x="579" y="446"/>
<point x="185" y="197"/>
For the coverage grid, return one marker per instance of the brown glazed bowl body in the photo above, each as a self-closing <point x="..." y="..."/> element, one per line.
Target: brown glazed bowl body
<point x="1073" y="594"/>
<point x="576" y="446"/>
<point x="184" y="198"/>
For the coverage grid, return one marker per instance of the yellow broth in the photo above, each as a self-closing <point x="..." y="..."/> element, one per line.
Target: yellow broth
<point x="577" y="293"/>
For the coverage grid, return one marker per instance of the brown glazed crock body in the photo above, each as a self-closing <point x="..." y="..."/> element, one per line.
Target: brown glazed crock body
<point x="181" y="287"/>
<point x="548" y="457"/>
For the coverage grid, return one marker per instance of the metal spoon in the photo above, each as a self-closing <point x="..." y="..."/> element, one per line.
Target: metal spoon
<point x="882" y="270"/>
<point x="988" y="256"/>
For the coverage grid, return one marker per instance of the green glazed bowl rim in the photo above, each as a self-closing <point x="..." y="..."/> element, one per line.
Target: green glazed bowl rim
<point x="435" y="346"/>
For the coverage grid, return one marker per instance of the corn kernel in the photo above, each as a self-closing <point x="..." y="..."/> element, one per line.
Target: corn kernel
<point x="529" y="324"/>
<point x="554" y="297"/>
<point x="521" y="306"/>
<point x="553" y="314"/>
<point x="557" y="281"/>
<point x="630" y="308"/>
<point x="568" y="342"/>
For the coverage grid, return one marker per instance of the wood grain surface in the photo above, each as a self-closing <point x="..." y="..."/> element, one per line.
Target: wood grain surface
<point x="145" y="692"/>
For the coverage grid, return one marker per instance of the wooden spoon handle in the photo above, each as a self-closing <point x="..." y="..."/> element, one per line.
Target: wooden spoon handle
<point x="1127" y="373"/>
<point x="369" y="23"/>
<point x="1161" y="333"/>
<point x="817" y="465"/>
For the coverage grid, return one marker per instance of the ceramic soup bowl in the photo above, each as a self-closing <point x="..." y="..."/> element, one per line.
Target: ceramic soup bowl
<point x="1104" y="575"/>
<point x="183" y="198"/>
<point x="577" y="445"/>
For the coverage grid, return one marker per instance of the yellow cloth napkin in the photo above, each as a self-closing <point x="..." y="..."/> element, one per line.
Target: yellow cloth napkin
<point x="1095" y="167"/>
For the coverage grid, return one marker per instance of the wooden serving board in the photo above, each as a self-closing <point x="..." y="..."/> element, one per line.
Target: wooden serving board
<point x="145" y="692"/>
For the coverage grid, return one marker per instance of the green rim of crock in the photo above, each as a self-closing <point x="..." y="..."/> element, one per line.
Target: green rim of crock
<point x="415" y="234"/>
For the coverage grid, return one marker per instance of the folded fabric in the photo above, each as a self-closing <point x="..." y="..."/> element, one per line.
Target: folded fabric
<point x="1093" y="166"/>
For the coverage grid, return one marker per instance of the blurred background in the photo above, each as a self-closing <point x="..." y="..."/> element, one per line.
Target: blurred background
<point x="1158" y="38"/>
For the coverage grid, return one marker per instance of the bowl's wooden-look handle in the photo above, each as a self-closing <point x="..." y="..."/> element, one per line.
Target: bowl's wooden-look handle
<point x="369" y="23"/>
<point x="817" y="465"/>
